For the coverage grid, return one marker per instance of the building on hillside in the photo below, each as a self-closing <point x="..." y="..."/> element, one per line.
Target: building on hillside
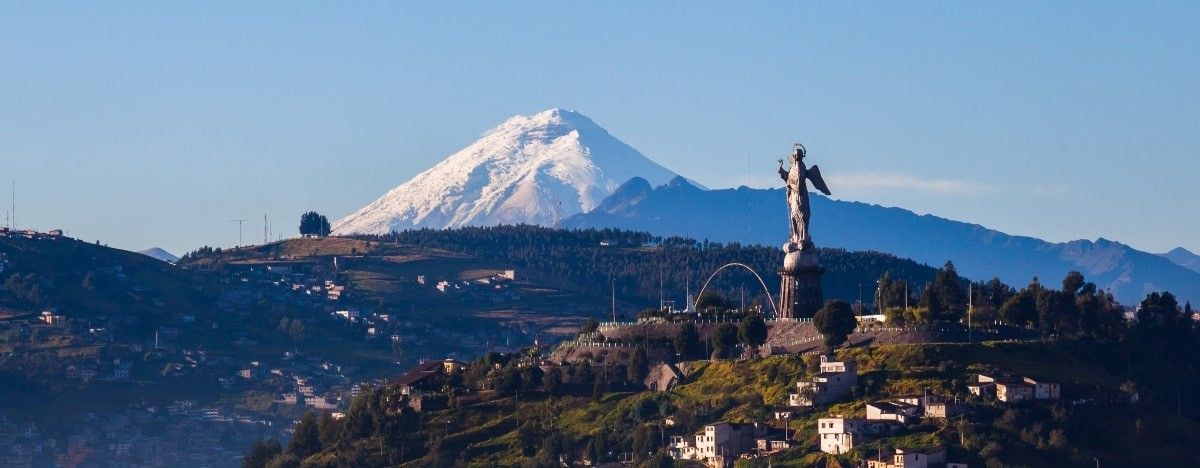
<point x="909" y="458"/>
<point x="773" y="443"/>
<point x="898" y="411"/>
<point x="718" y="445"/>
<point x="429" y="376"/>
<point x="832" y="382"/>
<point x="941" y="407"/>
<point x="663" y="377"/>
<point x="838" y="435"/>
<point x="51" y="317"/>
<point x="1043" y="390"/>
<point x="1013" y="391"/>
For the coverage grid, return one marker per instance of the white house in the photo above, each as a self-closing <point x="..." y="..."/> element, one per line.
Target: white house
<point x="718" y="445"/>
<point x="898" y="411"/>
<point x="1043" y="390"/>
<point x="906" y="458"/>
<point x="834" y="380"/>
<point x="837" y="435"/>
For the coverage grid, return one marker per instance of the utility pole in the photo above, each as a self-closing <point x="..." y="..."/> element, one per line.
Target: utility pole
<point x="860" y="303"/>
<point x="613" y="280"/>
<point x="239" y="222"/>
<point x="970" y="308"/>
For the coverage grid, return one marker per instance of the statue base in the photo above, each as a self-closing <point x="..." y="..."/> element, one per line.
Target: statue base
<point x="800" y="285"/>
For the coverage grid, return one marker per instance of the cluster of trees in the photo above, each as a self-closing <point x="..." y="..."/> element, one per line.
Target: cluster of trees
<point x="642" y="265"/>
<point x="1077" y="308"/>
<point x="381" y="413"/>
<point x="199" y="253"/>
<point x="751" y="333"/>
<point x="29" y="287"/>
<point x="293" y="328"/>
<point x="314" y="224"/>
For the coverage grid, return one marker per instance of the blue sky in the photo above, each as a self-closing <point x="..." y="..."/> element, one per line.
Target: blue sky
<point x="143" y="124"/>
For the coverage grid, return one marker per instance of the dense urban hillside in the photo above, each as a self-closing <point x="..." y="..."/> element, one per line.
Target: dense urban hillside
<point x="536" y="424"/>
<point x="1054" y="377"/>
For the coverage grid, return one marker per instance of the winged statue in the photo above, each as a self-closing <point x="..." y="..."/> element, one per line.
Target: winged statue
<point x="797" y="197"/>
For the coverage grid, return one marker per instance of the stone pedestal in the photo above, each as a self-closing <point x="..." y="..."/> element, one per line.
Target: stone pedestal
<point x="800" y="285"/>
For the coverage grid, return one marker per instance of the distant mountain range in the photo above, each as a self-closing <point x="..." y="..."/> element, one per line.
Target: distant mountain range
<point x="558" y="167"/>
<point x="1183" y="257"/>
<point x="758" y="216"/>
<point x="160" y="254"/>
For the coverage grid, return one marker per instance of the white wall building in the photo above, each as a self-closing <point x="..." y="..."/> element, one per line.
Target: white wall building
<point x="833" y="381"/>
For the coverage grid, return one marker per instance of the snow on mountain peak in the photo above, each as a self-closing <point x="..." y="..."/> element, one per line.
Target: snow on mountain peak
<point x="534" y="169"/>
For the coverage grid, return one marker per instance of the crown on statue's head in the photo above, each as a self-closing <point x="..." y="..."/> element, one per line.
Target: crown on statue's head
<point x="798" y="151"/>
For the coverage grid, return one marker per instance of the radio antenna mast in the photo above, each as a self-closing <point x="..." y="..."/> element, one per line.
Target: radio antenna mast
<point x="240" y="222"/>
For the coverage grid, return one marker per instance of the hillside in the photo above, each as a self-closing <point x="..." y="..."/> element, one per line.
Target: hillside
<point x="740" y="215"/>
<point x="490" y="429"/>
<point x="644" y="268"/>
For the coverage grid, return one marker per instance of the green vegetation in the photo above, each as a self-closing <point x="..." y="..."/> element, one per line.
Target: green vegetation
<point x="539" y="427"/>
<point x="835" y="321"/>
<point x="314" y="224"/>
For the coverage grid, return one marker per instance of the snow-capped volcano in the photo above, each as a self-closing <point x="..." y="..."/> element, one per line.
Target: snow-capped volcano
<point x="531" y="169"/>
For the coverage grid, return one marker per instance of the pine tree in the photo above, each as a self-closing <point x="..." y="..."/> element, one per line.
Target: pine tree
<point x="306" y="438"/>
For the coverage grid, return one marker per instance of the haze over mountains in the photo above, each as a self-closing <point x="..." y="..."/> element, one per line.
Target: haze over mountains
<point x="559" y="168"/>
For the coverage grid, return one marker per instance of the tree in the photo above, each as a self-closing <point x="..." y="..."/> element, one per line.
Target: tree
<point x="1020" y="310"/>
<point x="835" y="321"/>
<point x="723" y="338"/>
<point x="710" y="300"/>
<point x="306" y="438"/>
<point x="644" y="441"/>
<point x="752" y="331"/>
<point x="1073" y="282"/>
<point x="328" y="429"/>
<point x="553" y="381"/>
<point x="261" y="453"/>
<point x="687" y="340"/>
<point x="638" y="366"/>
<point x="950" y="293"/>
<point x="506" y="381"/>
<point x="590" y="326"/>
<point x="314" y="224"/>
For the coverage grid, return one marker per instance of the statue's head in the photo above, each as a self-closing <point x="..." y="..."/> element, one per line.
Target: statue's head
<point x="798" y="152"/>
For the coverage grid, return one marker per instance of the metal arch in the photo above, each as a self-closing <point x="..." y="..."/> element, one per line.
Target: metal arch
<point x="751" y="270"/>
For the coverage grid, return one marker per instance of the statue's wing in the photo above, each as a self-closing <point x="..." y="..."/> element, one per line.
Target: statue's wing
<point x="814" y="175"/>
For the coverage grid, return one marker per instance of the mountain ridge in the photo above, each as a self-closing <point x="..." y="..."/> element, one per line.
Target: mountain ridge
<point x="1183" y="257"/>
<point x="748" y="215"/>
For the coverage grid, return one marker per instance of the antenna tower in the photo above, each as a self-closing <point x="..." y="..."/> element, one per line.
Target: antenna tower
<point x="239" y="222"/>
